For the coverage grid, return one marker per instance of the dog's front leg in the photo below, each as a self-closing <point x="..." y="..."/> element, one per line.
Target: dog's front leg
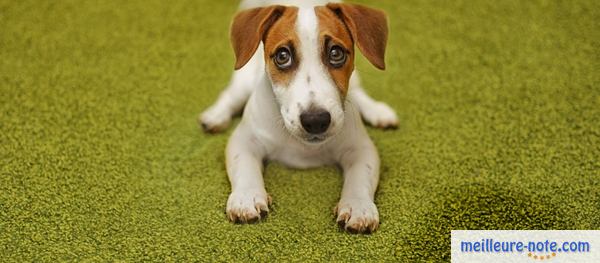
<point x="248" y="201"/>
<point x="356" y="210"/>
<point x="231" y="101"/>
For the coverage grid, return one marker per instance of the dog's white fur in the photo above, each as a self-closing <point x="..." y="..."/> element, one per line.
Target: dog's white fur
<point x="271" y="130"/>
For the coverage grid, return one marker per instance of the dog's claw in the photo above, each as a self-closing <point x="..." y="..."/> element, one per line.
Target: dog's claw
<point x="389" y="126"/>
<point x="264" y="214"/>
<point x="248" y="218"/>
<point x="204" y="126"/>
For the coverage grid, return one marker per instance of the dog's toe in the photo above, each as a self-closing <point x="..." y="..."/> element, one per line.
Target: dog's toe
<point x="358" y="216"/>
<point x="247" y="207"/>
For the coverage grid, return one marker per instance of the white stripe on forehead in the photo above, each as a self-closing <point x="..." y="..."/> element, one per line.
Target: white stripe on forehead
<point x="307" y="28"/>
<point x="307" y="24"/>
<point x="312" y="85"/>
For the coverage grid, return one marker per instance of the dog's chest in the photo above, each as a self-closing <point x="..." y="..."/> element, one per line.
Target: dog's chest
<point x="299" y="156"/>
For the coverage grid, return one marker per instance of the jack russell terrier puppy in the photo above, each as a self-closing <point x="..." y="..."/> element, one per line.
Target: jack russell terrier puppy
<point x="295" y="69"/>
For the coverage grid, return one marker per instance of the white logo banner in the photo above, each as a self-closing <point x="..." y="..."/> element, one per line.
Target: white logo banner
<point x="525" y="246"/>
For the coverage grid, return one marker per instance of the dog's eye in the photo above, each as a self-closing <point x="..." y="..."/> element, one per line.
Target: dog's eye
<point x="283" y="58"/>
<point x="337" y="56"/>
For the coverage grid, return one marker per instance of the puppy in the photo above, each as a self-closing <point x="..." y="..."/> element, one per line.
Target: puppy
<point x="295" y="69"/>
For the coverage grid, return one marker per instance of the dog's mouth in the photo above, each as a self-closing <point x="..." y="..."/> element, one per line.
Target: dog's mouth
<point x="315" y="138"/>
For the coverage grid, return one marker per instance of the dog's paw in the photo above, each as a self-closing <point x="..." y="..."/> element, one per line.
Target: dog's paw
<point x="248" y="206"/>
<point x="357" y="216"/>
<point x="380" y="115"/>
<point x="214" y="120"/>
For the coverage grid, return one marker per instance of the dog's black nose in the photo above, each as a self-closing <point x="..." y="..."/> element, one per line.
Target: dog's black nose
<point x="315" y="121"/>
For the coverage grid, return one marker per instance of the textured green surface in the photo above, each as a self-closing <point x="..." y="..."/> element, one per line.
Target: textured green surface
<point x="101" y="157"/>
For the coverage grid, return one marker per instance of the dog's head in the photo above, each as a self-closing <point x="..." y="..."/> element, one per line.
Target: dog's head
<point x="309" y="58"/>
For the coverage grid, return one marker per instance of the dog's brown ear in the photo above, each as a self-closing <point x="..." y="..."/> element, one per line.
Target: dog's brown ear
<point x="248" y="29"/>
<point x="368" y="28"/>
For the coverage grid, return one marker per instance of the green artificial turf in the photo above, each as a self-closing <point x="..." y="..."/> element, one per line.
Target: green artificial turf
<point x="101" y="158"/>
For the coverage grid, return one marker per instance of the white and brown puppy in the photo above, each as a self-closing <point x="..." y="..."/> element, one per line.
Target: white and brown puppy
<point x="295" y="68"/>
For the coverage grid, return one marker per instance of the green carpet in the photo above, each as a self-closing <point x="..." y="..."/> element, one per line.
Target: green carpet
<point x="101" y="158"/>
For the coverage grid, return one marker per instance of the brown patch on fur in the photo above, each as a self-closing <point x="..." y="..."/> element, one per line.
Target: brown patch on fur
<point x="368" y="28"/>
<point x="282" y="34"/>
<point x="248" y="29"/>
<point x="332" y="31"/>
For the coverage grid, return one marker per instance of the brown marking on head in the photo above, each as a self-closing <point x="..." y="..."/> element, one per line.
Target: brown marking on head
<point x="368" y="28"/>
<point x="340" y="25"/>
<point x="282" y="35"/>
<point x="248" y="29"/>
<point x="333" y="32"/>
